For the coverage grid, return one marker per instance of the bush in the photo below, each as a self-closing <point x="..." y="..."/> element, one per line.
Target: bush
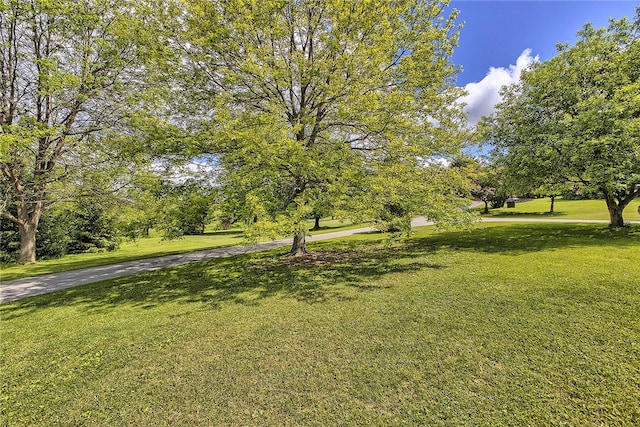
<point x="53" y="237"/>
<point x="9" y="241"/>
<point x="92" y="230"/>
<point x="498" y="201"/>
<point x="582" y="193"/>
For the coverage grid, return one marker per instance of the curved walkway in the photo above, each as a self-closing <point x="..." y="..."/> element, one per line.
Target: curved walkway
<point x="21" y="288"/>
<point x="13" y="290"/>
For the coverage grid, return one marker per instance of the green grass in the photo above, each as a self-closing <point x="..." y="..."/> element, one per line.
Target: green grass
<point x="128" y="251"/>
<point x="564" y="209"/>
<point x="152" y="247"/>
<point x="508" y="325"/>
<point x="147" y="248"/>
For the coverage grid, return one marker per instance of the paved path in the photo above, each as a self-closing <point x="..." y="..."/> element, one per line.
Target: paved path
<point x="13" y="290"/>
<point x="21" y="288"/>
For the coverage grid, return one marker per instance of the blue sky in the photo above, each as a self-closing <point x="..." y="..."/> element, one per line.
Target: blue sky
<point x="500" y="38"/>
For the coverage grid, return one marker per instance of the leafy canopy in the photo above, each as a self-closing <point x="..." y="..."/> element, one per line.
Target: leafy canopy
<point x="71" y="73"/>
<point x="576" y="117"/>
<point x="331" y="101"/>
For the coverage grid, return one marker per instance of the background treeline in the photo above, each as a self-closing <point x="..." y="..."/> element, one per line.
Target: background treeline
<point x="94" y="225"/>
<point x="69" y="229"/>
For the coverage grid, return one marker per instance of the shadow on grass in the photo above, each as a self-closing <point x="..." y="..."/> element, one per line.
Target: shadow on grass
<point x="515" y="239"/>
<point x="333" y="270"/>
<point x="236" y="232"/>
<point x="324" y="274"/>
<point x="325" y="228"/>
<point x="514" y="214"/>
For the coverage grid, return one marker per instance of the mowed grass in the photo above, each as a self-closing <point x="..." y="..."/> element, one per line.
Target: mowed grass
<point x="508" y="325"/>
<point x="128" y="251"/>
<point x="563" y="209"/>
<point x="147" y="248"/>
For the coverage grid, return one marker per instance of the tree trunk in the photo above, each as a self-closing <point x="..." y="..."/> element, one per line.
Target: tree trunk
<point x="486" y="206"/>
<point x="615" y="218"/>
<point x="553" y="202"/>
<point x="316" y="225"/>
<point x="299" y="246"/>
<point x="27" y="221"/>
<point x="615" y="212"/>
<point x="27" y="243"/>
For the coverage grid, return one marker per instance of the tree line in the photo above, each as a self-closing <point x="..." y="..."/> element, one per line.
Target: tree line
<point x="574" y="120"/>
<point x="301" y="107"/>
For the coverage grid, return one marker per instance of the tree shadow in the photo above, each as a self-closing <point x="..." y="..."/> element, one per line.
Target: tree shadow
<point x="233" y="232"/>
<point x="503" y="214"/>
<point x="518" y="238"/>
<point x="324" y="274"/>
<point x="333" y="270"/>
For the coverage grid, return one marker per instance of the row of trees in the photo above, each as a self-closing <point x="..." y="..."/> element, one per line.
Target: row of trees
<point x="89" y="224"/>
<point x="301" y="106"/>
<point x="574" y="120"/>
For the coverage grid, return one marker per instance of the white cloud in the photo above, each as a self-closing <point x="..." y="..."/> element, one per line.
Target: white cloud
<point x="482" y="96"/>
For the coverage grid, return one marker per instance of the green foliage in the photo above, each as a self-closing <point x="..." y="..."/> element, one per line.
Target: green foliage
<point x="317" y="103"/>
<point x="67" y="229"/>
<point x="486" y="181"/>
<point x="91" y="229"/>
<point x="52" y="242"/>
<point x="184" y="209"/>
<point x="54" y="237"/>
<point x="576" y="117"/>
<point x="70" y="76"/>
<point x="9" y="241"/>
<point x="582" y="193"/>
<point x="399" y="192"/>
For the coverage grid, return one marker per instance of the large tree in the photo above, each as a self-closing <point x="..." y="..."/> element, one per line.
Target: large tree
<point x="69" y="73"/>
<point x="326" y="99"/>
<point x="576" y="117"/>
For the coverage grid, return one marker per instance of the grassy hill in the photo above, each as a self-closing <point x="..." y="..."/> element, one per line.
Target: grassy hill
<point x="511" y="324"/>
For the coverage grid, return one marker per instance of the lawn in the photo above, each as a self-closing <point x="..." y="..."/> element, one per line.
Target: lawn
<point x="155" y="246"/>
<point x="508" y="325"/>
<point x="147" y="248"/>
<point x="128" y="251"/>
<point x="564" y="209"/>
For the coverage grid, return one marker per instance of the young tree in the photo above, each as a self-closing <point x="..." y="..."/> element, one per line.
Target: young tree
<point x="553" y="190"/>
<point x="576" y="116"/>
<point x="69" y="73"/>
<point x="541" y="175"/>
<point x="487" y="184"/>
<point x="322" y="206"/>
<point x="331" y="95"/>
